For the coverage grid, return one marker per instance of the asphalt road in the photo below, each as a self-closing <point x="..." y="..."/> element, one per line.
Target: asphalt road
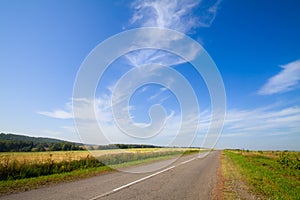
<point x="189" y="177"/>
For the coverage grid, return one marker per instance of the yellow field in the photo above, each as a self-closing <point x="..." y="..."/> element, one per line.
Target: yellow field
<point x="58" y="156"/>
<point x="36" y="157"/>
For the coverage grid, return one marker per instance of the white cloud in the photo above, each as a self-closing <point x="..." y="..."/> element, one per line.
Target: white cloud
<point x="82" y="109"/>
<point x="172" y="14"/>
<point x="286" y="80"/>
<point x="262" y="121"/>
<point x="60" y="113"/>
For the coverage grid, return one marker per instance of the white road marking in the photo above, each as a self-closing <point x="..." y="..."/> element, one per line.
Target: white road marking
<point x="187" y="161"/>
<point x="139" y="180"/>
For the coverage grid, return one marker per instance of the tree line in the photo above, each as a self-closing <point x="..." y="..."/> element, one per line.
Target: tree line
<point x="120" y="146"/>
<point x="25" y="146"/>
<point x="20" y="143"/>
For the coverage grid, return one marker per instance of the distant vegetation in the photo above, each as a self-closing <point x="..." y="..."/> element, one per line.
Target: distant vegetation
<point x="270" y="174"/>
<point x="121" y="146"/>
<point x="20" y="143"/>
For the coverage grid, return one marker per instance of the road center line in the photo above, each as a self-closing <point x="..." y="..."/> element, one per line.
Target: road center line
<point x="187" y="161"/>
<point x="139" y="180"/>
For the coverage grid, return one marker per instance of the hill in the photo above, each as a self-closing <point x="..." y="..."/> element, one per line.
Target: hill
<point x="13" y="137"/>
<point x="13" y="142"/>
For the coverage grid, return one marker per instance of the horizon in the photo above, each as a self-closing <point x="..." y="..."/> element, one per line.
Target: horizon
<point x="254" y="46"/>
<point x="216" y="149"/>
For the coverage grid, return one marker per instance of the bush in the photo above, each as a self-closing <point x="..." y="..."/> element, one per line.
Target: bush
<point x="289" y="161"/>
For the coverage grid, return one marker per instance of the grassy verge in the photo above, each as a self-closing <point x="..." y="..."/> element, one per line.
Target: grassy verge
<point x="24" y="184"/>
<point x="234" y="185"/>
<point x="271" y="175"/>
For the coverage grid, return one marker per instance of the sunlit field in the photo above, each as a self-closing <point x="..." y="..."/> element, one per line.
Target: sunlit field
<point x="59" y="156"/>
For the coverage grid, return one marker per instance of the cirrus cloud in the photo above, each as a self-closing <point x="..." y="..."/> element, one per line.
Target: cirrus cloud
<point x="286" y="80"/>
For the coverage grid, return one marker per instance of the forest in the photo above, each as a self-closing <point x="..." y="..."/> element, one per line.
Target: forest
<point x="20" y="143"/>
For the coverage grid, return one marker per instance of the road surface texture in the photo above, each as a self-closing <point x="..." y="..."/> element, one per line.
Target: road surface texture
<point x="189" y="177"/>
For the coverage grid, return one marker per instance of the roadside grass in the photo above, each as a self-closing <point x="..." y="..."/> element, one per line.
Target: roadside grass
<point x="230" y="175"/>
<point x="77" y="169"/>
<point x="271" y="175"/>
<point x="234" y="187"/>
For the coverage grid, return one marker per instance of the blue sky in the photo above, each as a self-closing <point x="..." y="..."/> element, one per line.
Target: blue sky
<point x="254" y="44"/>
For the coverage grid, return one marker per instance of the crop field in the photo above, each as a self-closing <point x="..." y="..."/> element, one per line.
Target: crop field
<point x="264" y="174"/>
<point x="60" y="156"/>
<point x="19" y="165"/>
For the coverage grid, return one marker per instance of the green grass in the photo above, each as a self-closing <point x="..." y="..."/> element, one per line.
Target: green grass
<point x="69" y="170"/>
<point x="274" y="175"/>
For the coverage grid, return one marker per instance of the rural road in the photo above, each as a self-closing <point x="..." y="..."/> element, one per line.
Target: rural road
<point x="189" y="177"/>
